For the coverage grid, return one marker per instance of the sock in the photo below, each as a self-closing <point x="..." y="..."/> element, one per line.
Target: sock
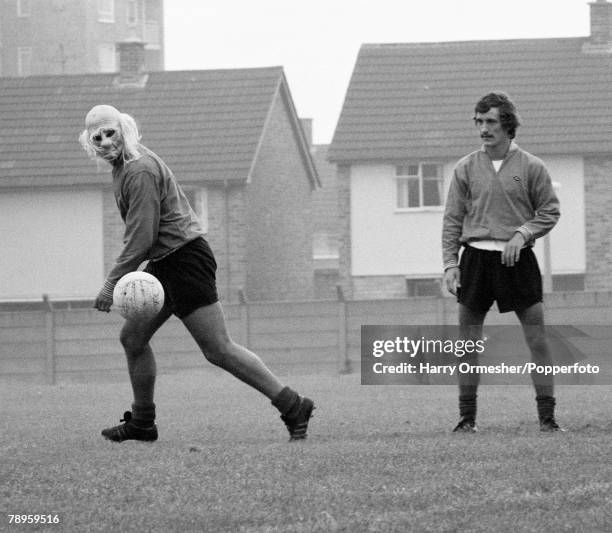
<point x="143" y="415"/>
<point x="546" y="407"/>
<point x="467" y="402"/>
<point x="287" y="402"/>
<point x="543" y="390"/>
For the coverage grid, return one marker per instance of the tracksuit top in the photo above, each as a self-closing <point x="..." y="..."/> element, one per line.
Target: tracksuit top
<point x="483" y="204"/>
<point x="157" y="215"/>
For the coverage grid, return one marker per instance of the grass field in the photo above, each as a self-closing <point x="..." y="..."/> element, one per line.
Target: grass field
<point x="377" y="459"/>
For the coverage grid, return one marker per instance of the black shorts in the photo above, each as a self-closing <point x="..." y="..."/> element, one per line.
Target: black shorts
<point x="188" y="277"/>
<point x="484" y="280"/>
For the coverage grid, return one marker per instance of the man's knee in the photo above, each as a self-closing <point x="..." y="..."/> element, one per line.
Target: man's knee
<point x="132" y="342"/>
<point x="218" y="351"/>
<point x="539" y="349"/>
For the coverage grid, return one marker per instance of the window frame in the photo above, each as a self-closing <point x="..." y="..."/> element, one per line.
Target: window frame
<point x="21" y="51"/>
<point x="105" y="15"/>
<point x="135" y="6"/>
<point x="107" y="50"/>
<point x="24" y="8"/>
<point x="419" y="176"/>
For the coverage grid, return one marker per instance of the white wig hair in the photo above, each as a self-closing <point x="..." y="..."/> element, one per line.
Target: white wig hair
<point x="105" y="116"/>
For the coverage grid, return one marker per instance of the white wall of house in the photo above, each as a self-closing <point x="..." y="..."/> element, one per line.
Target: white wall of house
<point x="51" y="243"/>
<point x="386" y="241"/>
<point x="568" y="238"/>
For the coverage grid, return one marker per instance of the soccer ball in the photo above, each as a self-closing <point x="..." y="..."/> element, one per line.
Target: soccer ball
<point x="138" y="295"/>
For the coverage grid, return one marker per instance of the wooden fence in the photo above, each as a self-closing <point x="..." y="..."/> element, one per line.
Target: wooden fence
<point x="48" y="344"/>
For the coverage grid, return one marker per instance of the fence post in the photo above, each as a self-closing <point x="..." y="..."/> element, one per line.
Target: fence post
<point x="244" y="318"/>
<point x="50" y="341"/>
<point x="345" y="366"/>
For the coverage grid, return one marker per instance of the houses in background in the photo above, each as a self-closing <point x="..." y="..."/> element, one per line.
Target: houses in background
<point x="288" y="219"/>
<point x="407" y="119"/>
<point x="231" y="137"/>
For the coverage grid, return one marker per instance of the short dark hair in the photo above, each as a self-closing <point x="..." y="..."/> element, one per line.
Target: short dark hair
<point x="508" y="115"/>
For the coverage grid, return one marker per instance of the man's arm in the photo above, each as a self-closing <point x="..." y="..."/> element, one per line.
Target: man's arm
<point x="546" y="206"/>
<point x="452" y="227"/>
<point x="544" y="202"/>
<point x="141" y="227"/>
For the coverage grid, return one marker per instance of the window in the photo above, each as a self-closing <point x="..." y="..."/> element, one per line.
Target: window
<point x="151" y="10"/>
<point x="325" y="245"/>
<point x="24" y="61"/>
<point x="132" y="12"/>
<point x="106" y="10"/>
<point x="198" y="199"/>
<point x="419" y="185"/>
<point x="107" y="58"/>
<point x="23" y="8"/>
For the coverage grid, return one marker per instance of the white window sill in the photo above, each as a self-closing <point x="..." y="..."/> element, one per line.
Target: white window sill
<point x="427" y="209"/>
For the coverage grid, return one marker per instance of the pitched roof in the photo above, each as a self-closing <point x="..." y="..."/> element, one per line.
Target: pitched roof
<point x="206" y="124"/>
<point x="418" y="99"/>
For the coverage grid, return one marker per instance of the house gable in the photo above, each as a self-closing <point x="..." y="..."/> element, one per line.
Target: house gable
<point x="278" y="210"/>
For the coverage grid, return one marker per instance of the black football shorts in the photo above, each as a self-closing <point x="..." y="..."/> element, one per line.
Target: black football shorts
<point x="188" y="277"/>
<point x="485" y="280"/>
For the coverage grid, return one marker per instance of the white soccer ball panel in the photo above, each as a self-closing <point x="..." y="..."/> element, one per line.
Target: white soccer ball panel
<point x="138" y="295"/>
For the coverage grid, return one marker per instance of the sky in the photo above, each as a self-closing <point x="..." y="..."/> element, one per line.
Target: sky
<point x="317" y="41"/>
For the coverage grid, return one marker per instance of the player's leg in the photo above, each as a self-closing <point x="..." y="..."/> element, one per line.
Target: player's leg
<point x="532" y="321"/>
<point x="470" y="328"/>
<point x="134" y="337"/>
<point x="475" y="298"/>
<point x="207" y="326"/>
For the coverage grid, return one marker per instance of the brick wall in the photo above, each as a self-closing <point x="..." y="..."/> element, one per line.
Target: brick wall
<point x="325" y="199"/>
<point x="372" y="287"/>
<point x="131" y="57"/>
<point x="598" y="223"/>
<point x="227" y="237"/>
<point x="279" y="216"/>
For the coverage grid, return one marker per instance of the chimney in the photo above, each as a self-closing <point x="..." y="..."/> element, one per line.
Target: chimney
<point x="601" y="28"/>
<point x="131" y="63"/>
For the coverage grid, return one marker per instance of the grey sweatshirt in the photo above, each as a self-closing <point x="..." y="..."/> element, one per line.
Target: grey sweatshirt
<point x="486" y="205"/>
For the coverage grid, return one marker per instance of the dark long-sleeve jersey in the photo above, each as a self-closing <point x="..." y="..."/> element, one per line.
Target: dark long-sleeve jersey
<point x="157" y="215"/>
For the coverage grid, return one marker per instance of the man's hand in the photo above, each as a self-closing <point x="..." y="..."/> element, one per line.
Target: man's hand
<point x="512" y="250"/>
<point x="451" y="280"/>
<point x="103" y="303"/>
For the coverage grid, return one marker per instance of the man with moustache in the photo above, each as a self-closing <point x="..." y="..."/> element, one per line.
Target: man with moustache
<point x="500" y="200"/>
